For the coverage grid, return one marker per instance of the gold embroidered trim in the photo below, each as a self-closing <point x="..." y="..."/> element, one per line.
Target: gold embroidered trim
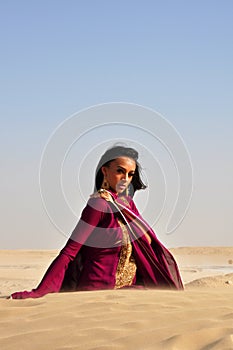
<point x="126" y="268"/>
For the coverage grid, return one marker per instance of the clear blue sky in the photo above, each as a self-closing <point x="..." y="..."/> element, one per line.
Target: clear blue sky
<point x="58" y="57"/>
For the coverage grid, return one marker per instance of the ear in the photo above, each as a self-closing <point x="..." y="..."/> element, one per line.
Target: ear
<point x="103" y="169"/>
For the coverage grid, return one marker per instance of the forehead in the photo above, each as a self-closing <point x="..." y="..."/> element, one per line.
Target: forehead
<point x="125" y="162"/>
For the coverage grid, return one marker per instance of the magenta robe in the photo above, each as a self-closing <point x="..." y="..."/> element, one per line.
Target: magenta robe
<point x="90" y="258"/>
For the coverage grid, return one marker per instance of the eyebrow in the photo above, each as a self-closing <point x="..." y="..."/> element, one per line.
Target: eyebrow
<point x="131" y="171"/>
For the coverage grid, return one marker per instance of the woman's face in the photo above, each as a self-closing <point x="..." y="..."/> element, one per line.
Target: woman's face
<point x="119" y="173"/>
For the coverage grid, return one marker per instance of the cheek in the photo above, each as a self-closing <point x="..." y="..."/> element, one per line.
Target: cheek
<point x="117" y="178"/>
<point x="114" y="177"/>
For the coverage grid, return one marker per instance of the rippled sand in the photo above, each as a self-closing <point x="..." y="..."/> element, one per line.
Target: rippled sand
<point x="199" y="318"/>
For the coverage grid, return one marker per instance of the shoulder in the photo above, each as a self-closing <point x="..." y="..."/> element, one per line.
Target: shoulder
<point x="95" y="210"/>
<point x="97" y="203"/>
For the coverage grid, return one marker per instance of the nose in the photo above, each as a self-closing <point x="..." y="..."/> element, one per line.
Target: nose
<point x="126" y="177"/>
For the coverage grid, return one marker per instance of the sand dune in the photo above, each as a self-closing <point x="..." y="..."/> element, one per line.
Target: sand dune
<point x="200" y="318"/>
<point x="212" y="282"/>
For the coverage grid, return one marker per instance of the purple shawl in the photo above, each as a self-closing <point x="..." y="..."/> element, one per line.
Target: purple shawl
<point x="90" y="257"/>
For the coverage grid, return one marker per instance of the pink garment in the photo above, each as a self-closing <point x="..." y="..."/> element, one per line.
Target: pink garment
<point x="90" y="257"/>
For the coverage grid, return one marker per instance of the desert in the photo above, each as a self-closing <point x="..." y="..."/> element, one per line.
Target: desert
<point x="198" y="318"/>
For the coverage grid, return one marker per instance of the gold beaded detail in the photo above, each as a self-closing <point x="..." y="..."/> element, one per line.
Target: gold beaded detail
<point x="126" y="268"/>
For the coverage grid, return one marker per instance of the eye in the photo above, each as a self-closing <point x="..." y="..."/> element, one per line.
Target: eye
<point x="131" y="174"/>
<point x="120" y="171"/>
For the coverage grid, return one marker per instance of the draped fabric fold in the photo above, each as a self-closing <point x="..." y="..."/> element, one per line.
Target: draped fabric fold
<point x="155" y="263"/>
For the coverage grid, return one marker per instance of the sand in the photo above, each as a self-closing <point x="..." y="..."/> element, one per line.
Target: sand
<point x="198" y="318"/>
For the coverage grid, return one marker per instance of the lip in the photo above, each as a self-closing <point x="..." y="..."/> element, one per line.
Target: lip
<point x="121" y="187"/>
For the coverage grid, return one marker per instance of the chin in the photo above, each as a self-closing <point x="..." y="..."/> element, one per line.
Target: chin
<point x="122" y="191"/>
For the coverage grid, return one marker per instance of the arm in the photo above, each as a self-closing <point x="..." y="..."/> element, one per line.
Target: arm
<point x="53" y="278"/>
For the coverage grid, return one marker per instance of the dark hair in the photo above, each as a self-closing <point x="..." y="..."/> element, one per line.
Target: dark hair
<point x="112" y="154"/>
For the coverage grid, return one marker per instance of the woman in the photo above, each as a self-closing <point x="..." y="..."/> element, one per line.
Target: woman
<point x="112" y="246"/>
